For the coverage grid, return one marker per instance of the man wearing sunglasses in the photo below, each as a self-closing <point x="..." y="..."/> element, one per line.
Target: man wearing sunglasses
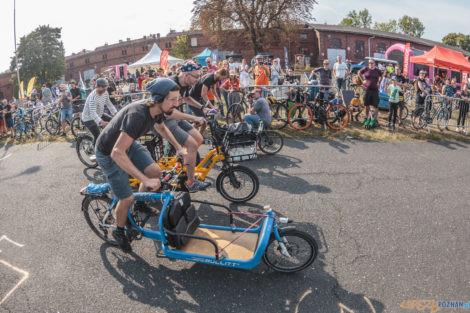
<point x="185" y="134"/>
<point x="371" y="77"/>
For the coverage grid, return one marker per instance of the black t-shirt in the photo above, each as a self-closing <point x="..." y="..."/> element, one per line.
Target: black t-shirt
<point x="420" y="96"/>
<point x="184" y="91"/>
<point x="111" y="90"/>
<point x="206" y="80"/>
<point x="75" y="93"/>
<point x="325" y="76"/>
<point x="135" y="120"/>
<point x="7" y="108"/>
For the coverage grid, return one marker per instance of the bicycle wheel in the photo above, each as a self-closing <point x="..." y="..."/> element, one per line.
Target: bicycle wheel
<point x="237" y="184"/>
<point x="235" y="113"/>
<point x="94" y="209"/>
<point x="404" y="113"/>
<point x="52" y="126"/>
<point x="85" y="151"/>
<point x="279" y="116"/>
<point x="77" y="127"/>
<point x="270" y="142"/>
<point x="302" y="250"/>
<point x="300" y="117"/>
<point x="442" y="119"/>
<point x="337" y="117"/>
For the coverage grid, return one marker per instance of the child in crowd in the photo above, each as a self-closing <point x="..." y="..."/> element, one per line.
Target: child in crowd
<point x="356" y="105"/>
<point x="394" y="93"/>
<point x="337" y="100"/>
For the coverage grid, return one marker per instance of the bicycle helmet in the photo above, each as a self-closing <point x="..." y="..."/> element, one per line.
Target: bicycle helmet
<point x="189" y="67"/>
<point x="159" y="88"/>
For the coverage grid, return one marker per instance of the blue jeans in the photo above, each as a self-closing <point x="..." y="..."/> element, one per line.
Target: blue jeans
<point x="340" y="84"/>
<point x="252" y="119"/>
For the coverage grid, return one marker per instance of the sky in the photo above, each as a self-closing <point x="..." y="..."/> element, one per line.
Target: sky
<point x="87" y="24"/>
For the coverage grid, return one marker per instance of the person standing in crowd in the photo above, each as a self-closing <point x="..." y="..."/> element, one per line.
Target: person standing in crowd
<point x="244" y="76"/>
<point x="7" y="110"/>
<point x="46" y="94"/>
<point x="231" y="86"/>
<point x="112" y="92"/>
<point x="211" y="68"/>
<point x="464" y="107"/>
<point x="348" y="65"/>
<point x="276" y="71"/>
<point x="140" y="80"/>
<point x="421" y="94"/>
<point x="402" y="82"/>
<point x="66" y="112"/>
<point x="259" y="110"/>
<point x="226" y="66"/>
<point x="231" y="64"/>
<point x="3" y="128"/>
<point x="324" y="74"/>
<point x="394" y="93"/>
<point x="385" y="82"/>
<point x="371" y="77"/>
<point x="340" y="73"/>
<point x="93" y="114"/>
<point x="147" y="80"/>
<point x="261" y="73"/>
<point x="77" y="102"/>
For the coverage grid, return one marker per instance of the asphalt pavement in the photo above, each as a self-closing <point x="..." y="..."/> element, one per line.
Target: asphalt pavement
<point x="391" y="220"/>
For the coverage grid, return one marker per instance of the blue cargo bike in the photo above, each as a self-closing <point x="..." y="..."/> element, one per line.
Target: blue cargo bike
<point x="183" y="236"/>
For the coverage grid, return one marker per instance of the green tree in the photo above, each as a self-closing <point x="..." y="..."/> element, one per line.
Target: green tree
<point x="41" y="54"/>
<point x="256" y="19"/>
<point x="390" y="26"/>
<point x="411" y="26"/>
<point x="181" y="48"/>
<point x="457" y="40"/>
<point x="361" y="19"/>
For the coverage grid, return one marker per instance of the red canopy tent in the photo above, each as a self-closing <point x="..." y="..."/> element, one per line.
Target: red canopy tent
<point x="443" y="58"/>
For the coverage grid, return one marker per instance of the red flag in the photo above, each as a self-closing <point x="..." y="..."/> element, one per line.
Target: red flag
<point x="164" y="60"/>
<point x="464" y="78"/>
<point x="406" y="61"/>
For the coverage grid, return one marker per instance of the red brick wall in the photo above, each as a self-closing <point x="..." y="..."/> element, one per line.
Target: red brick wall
<point x="6" y="86"/>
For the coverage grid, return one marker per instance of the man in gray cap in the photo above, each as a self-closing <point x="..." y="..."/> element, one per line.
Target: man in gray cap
<point x="93" y="114"/>
<point x="120" y="155"/>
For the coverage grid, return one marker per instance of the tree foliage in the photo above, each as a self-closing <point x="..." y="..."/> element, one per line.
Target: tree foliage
<point x="457" y="40"/>
<point x="411" y="26"/>
<point x="257" y="18"/>
<point x="391" y="26"/>
<point x="41" y="54"/>
<point x="181" y="48"/>
<point x="361" y="19"/>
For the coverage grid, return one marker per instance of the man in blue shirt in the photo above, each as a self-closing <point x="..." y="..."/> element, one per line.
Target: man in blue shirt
<point x="259" y="110"/>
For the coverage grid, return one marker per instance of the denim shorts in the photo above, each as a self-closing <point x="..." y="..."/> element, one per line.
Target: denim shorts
<point x="116" y="176"/>
<point x="9" y="122"/>
<point x="66" y="114"/>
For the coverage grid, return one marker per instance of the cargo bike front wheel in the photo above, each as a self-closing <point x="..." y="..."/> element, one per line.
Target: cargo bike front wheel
<point x="237" y="183"/>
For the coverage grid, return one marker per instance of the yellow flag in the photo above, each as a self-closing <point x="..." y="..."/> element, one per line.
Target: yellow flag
<point x="30" y="86"/>
<point x="21" y="91"/>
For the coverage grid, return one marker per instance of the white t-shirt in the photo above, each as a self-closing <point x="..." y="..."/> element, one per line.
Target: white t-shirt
<point x="340" y="69"/>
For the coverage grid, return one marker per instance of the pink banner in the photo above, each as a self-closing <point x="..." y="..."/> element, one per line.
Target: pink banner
<point x="406" y="61"/>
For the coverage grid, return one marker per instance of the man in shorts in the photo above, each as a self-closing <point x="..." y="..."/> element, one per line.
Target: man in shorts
<point x="120" y="155"/>
<point x="402" y="82"/>
<point x="66" y="106"/>
<point x="371" y="77"/>
<point x="186" y="135"/>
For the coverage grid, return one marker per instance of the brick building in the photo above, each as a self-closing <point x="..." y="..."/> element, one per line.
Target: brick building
<point x="316" y="41"/>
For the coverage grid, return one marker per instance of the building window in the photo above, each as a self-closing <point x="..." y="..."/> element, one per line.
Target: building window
<point x="359" y="52"/>
<point x="87" y="61"/>
<point x="124" y="52"/>
<point x="303" y="50"/>
<point x="105" y="57"/>
<point x="381" y="48"/>
<point x="193" y="42"/>
<point x="336" y="43"/>
<point x="303" y="36"/>
<point x="168" y="44"/>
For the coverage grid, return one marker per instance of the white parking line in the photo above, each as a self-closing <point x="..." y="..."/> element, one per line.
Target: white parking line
<point x="7" y="156"/>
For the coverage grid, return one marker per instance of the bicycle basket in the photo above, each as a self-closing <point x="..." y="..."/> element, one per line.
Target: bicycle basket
<point x="240" y="143"/>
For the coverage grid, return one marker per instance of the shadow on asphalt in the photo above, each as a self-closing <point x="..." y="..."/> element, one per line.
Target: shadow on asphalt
<point x="297" y="144"/>
<point x="28" y="171"/>
<point x="278" y="179"/>
<point x="451" y="145"/>
<point x="95" y="175"/>
<point x="205" y="288"/>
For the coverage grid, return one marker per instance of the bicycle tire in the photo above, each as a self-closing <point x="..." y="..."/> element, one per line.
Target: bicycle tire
<point x="77" y="127"/>
<point x="267" y="139"/>
<point x="102" y="232"/>
<point x="52" y="126"/>
<point x="442" y="119"/>
<point x="270" y="262"/>
<point x="235" y="183"/>
<point x="404" y="113"/>
<point x="85" y="144"/>
<point x="300" y="117"/>
<point x="337" y="113"/>
<point x="234" y="113"/>
<point x="419" y="121"/>
<point x="279" y="116"/>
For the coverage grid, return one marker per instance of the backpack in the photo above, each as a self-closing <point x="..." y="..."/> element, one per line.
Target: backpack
<point x="181" y="218"/>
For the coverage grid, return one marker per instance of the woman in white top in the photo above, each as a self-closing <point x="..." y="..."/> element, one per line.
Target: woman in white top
<point x="244" y="76"/>
<point x="276" y="71"/>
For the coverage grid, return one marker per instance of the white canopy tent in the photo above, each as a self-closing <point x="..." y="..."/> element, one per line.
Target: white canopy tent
<point x="153" y="58"/>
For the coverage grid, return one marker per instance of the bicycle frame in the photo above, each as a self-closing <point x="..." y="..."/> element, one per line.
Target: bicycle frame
<point x="267" y="226"/>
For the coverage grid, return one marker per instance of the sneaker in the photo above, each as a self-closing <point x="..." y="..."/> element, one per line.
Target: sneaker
<point x="198" y="185"/>
<point x="373" y="124"/>
<point x="457" y="129"/>
<point x="367" y="122"/>
<point x="122" y="240"/>
<point x="393" y="128"/>
<point x="142" y="207"/>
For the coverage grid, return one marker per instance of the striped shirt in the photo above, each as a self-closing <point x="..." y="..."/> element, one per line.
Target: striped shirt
<point x="94" y="107"/>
